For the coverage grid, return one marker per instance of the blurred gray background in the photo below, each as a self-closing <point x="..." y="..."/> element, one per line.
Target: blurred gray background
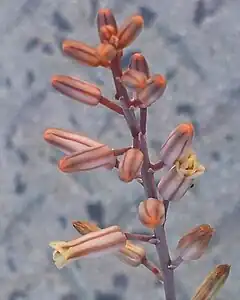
<point x="196" y="45"/>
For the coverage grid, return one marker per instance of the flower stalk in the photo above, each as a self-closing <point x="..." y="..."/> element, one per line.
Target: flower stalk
<point x="147" y="177"/>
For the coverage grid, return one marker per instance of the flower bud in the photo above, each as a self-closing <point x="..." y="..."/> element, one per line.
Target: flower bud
<point x="106" y="22"/>
<point x="87" y="160"/>
<point x="131" y="254"/>
<point x="173" y="186"/>
<point x="84" y="227"/>
<point x="67" y="141"/>
<point x="110" y="238"/>
<point x="139" y="63"/>
<point x="129" y="31"/>
<point x="134" y="79"/>
<point x="130" y="165"/>
<point x="106" y="53"/>
<point x="151" y="212"/>
<point x="194" y="243"/>
<point x="178" y="143"/>
<point x="212" y="283"/>
<point x="107" y="34"/>
<point x="154" y="90"/>
<point x="79" y="90"/>
<point x="83" y="53"/>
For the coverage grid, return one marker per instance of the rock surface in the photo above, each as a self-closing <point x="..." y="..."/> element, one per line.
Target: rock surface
<point x="196" y="45"/>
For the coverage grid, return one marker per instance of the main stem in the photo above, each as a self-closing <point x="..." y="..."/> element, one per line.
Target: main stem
<point x="139" y="133"/>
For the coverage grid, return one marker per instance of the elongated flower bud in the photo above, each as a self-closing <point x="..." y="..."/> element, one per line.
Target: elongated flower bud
<point x="130" y="165"/>
<point x="106" y="22"/>
<point x="67" y="141"/>
<point x="110" y="238"/>
<point x="139" y="63"/>
<point x="134" y="79"/>
<point x="178" y="143"/>
<point x="89" y="159"/>
<point x="154" y="90"/>
<point x="212" y="283"/>
<point x="151" y="212"/>
<point x="131" y="254"/>
<point x="83" y="53"/>
<point x="106" y="53"/>
<point x="173" y="186"/>
<point x="194" y="243"/>
<point x="79" y="90"/>
<point x="129" y="31"/>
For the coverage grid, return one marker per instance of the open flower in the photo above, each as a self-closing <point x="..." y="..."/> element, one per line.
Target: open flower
<point x="175" y="183"/>
<point x="108" y="239"/>
<point x="189" y="166"/>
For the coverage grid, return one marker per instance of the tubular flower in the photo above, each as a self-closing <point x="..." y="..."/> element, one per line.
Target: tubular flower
<point x="108" y="239"/>
<point x="212" y="283"/>
<point x="194" y="243"/>
<point x="175" y="183"/>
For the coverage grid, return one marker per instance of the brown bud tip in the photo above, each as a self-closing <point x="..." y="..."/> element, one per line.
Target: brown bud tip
<point x="151" y="212"/>
<point x="85" y="227"/>
<point x="105" y="17"/>
<point x="77" y="89"/>
<point x="154" y="90"/>
<point x="129" y="31"/>
<point x="139" y="63"/>
<point x="130" y="165"/>
<point x="83" y="53"/>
